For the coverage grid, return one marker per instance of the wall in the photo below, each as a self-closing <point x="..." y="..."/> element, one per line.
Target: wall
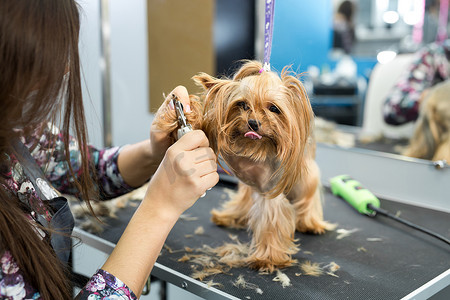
<point x="301" y="34"/>
<point x="89" y="47"/>
<point x="180" y="45"/>
<point x="129" y="75"/>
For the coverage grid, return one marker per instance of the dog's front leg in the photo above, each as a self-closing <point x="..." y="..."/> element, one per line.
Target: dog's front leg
<point x="306" y="199"/>
<point x="273" y="224"/>
<point x="234" y="212"/>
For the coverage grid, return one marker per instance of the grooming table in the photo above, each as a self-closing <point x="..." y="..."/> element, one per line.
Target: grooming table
<point x="383" y="259"/>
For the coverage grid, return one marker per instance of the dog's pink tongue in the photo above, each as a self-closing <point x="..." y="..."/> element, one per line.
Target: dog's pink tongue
<point x="252" y="135"/>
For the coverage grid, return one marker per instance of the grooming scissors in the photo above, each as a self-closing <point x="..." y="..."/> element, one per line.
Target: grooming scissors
<point x="185" y="127"/>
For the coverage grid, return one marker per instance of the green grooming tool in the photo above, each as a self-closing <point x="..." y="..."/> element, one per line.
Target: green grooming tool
<point x="353" y="192"/>
<point x="366" y="203"/>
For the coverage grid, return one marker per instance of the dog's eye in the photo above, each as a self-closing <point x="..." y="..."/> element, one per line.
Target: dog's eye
<point x="274" y="109"/>
<point x="243" y="105"/>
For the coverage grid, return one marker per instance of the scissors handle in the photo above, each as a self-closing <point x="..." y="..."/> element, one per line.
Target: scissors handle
<point x="185" y="127"/>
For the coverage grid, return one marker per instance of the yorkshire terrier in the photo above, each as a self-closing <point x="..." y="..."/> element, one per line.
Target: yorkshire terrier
<point x="260" y="124"/>
<point x="431" y="138"/>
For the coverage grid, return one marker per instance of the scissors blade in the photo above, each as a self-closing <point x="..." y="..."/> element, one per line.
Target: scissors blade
<point x="179" y="111"/>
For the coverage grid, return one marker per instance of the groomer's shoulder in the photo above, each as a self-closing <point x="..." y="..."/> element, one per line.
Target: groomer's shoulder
<point x="46" y="136"/>
<point x="429" y="53"/>
<point x="47" y="146"/>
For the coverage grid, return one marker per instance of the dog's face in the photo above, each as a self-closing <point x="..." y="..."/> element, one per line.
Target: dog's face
<point x="431" y="137"/>
<point x="257" y="115"/>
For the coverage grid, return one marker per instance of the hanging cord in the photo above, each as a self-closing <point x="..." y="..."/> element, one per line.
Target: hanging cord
<point x="268" y="33"/>
<point x="406" y="222"/>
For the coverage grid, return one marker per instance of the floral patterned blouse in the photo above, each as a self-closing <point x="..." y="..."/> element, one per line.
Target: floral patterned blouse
<point x="102" y="285"/>
<point x="430" y="67"/>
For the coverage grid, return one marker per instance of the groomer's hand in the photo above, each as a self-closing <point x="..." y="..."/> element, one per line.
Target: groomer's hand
<point x="165" y="122"/>
<point x="187" y="170"/>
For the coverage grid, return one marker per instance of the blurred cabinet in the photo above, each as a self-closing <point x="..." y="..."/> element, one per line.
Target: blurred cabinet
<point x="341" y="102"/>
<point x="342" y="109"/>
<point x="179" y="44"/>
<point x="188" y="37"/>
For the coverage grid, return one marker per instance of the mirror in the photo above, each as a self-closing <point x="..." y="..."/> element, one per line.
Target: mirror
<point x="354" y="52"/>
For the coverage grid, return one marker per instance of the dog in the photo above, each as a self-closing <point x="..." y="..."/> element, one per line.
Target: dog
<point x="431" y="138"/>
<point x="260" y="123"/>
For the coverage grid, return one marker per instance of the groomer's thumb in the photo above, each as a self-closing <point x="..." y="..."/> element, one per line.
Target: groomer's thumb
<point x="183" y="96"/>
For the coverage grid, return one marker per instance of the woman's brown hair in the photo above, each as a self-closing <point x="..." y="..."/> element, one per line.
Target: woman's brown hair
<point x="38" y="46"/>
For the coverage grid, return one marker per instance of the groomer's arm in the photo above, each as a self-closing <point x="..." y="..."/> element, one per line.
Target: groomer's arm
<point x="138" y="162"/>
<point x="186" y="172"/>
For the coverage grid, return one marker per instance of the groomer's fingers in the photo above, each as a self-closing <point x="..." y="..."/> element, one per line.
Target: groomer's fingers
<point x="203" y="154"/>
<point x="206" y="167"/>
<point x="192" y="140"/>
<point x="183" y="96"/>
<point x="209" y="180"/>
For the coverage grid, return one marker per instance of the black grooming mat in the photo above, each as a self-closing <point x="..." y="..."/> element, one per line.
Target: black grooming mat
<point x="381" y="259"/>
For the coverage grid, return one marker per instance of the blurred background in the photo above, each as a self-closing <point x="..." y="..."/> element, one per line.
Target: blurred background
<point x="133" y="52"/>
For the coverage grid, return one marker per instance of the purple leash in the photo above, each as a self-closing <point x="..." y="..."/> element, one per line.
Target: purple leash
<point x="268" y="33"/>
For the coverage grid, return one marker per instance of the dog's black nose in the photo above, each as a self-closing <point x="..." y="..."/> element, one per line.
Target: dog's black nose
<point x="254" y="124"/>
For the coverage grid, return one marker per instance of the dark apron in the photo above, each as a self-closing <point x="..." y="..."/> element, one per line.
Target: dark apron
<point x="62" y="221"/>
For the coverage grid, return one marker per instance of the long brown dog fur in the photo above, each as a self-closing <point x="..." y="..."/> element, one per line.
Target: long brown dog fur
<point x="431" y="138"/>
<point x="279" y="189"/>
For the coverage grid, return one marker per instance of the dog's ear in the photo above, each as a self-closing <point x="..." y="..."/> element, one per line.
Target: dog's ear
<point x="302" y="115"/>
<point x="431" y="127"/>
<point x="205" y="81"/>
<point x="300" y="101"/>
<point x="212" y="105"/>
<point x="426" y="137"/>
<point x="298" y="132"/>
<point x="422" y="144"/>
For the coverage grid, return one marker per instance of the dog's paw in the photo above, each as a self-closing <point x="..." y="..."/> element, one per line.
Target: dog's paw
<point x="270" y="256"/>
<point x="224" y="218"/>
<point x="315" y="226"/>
<point x="269" y="264"/>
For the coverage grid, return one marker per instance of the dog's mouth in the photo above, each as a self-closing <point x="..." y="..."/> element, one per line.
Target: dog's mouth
<point x="252" y="135"/>
<point x="255" y="146"/>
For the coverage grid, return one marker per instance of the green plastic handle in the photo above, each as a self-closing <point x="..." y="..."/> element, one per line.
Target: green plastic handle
<point x="353" y="192"/>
